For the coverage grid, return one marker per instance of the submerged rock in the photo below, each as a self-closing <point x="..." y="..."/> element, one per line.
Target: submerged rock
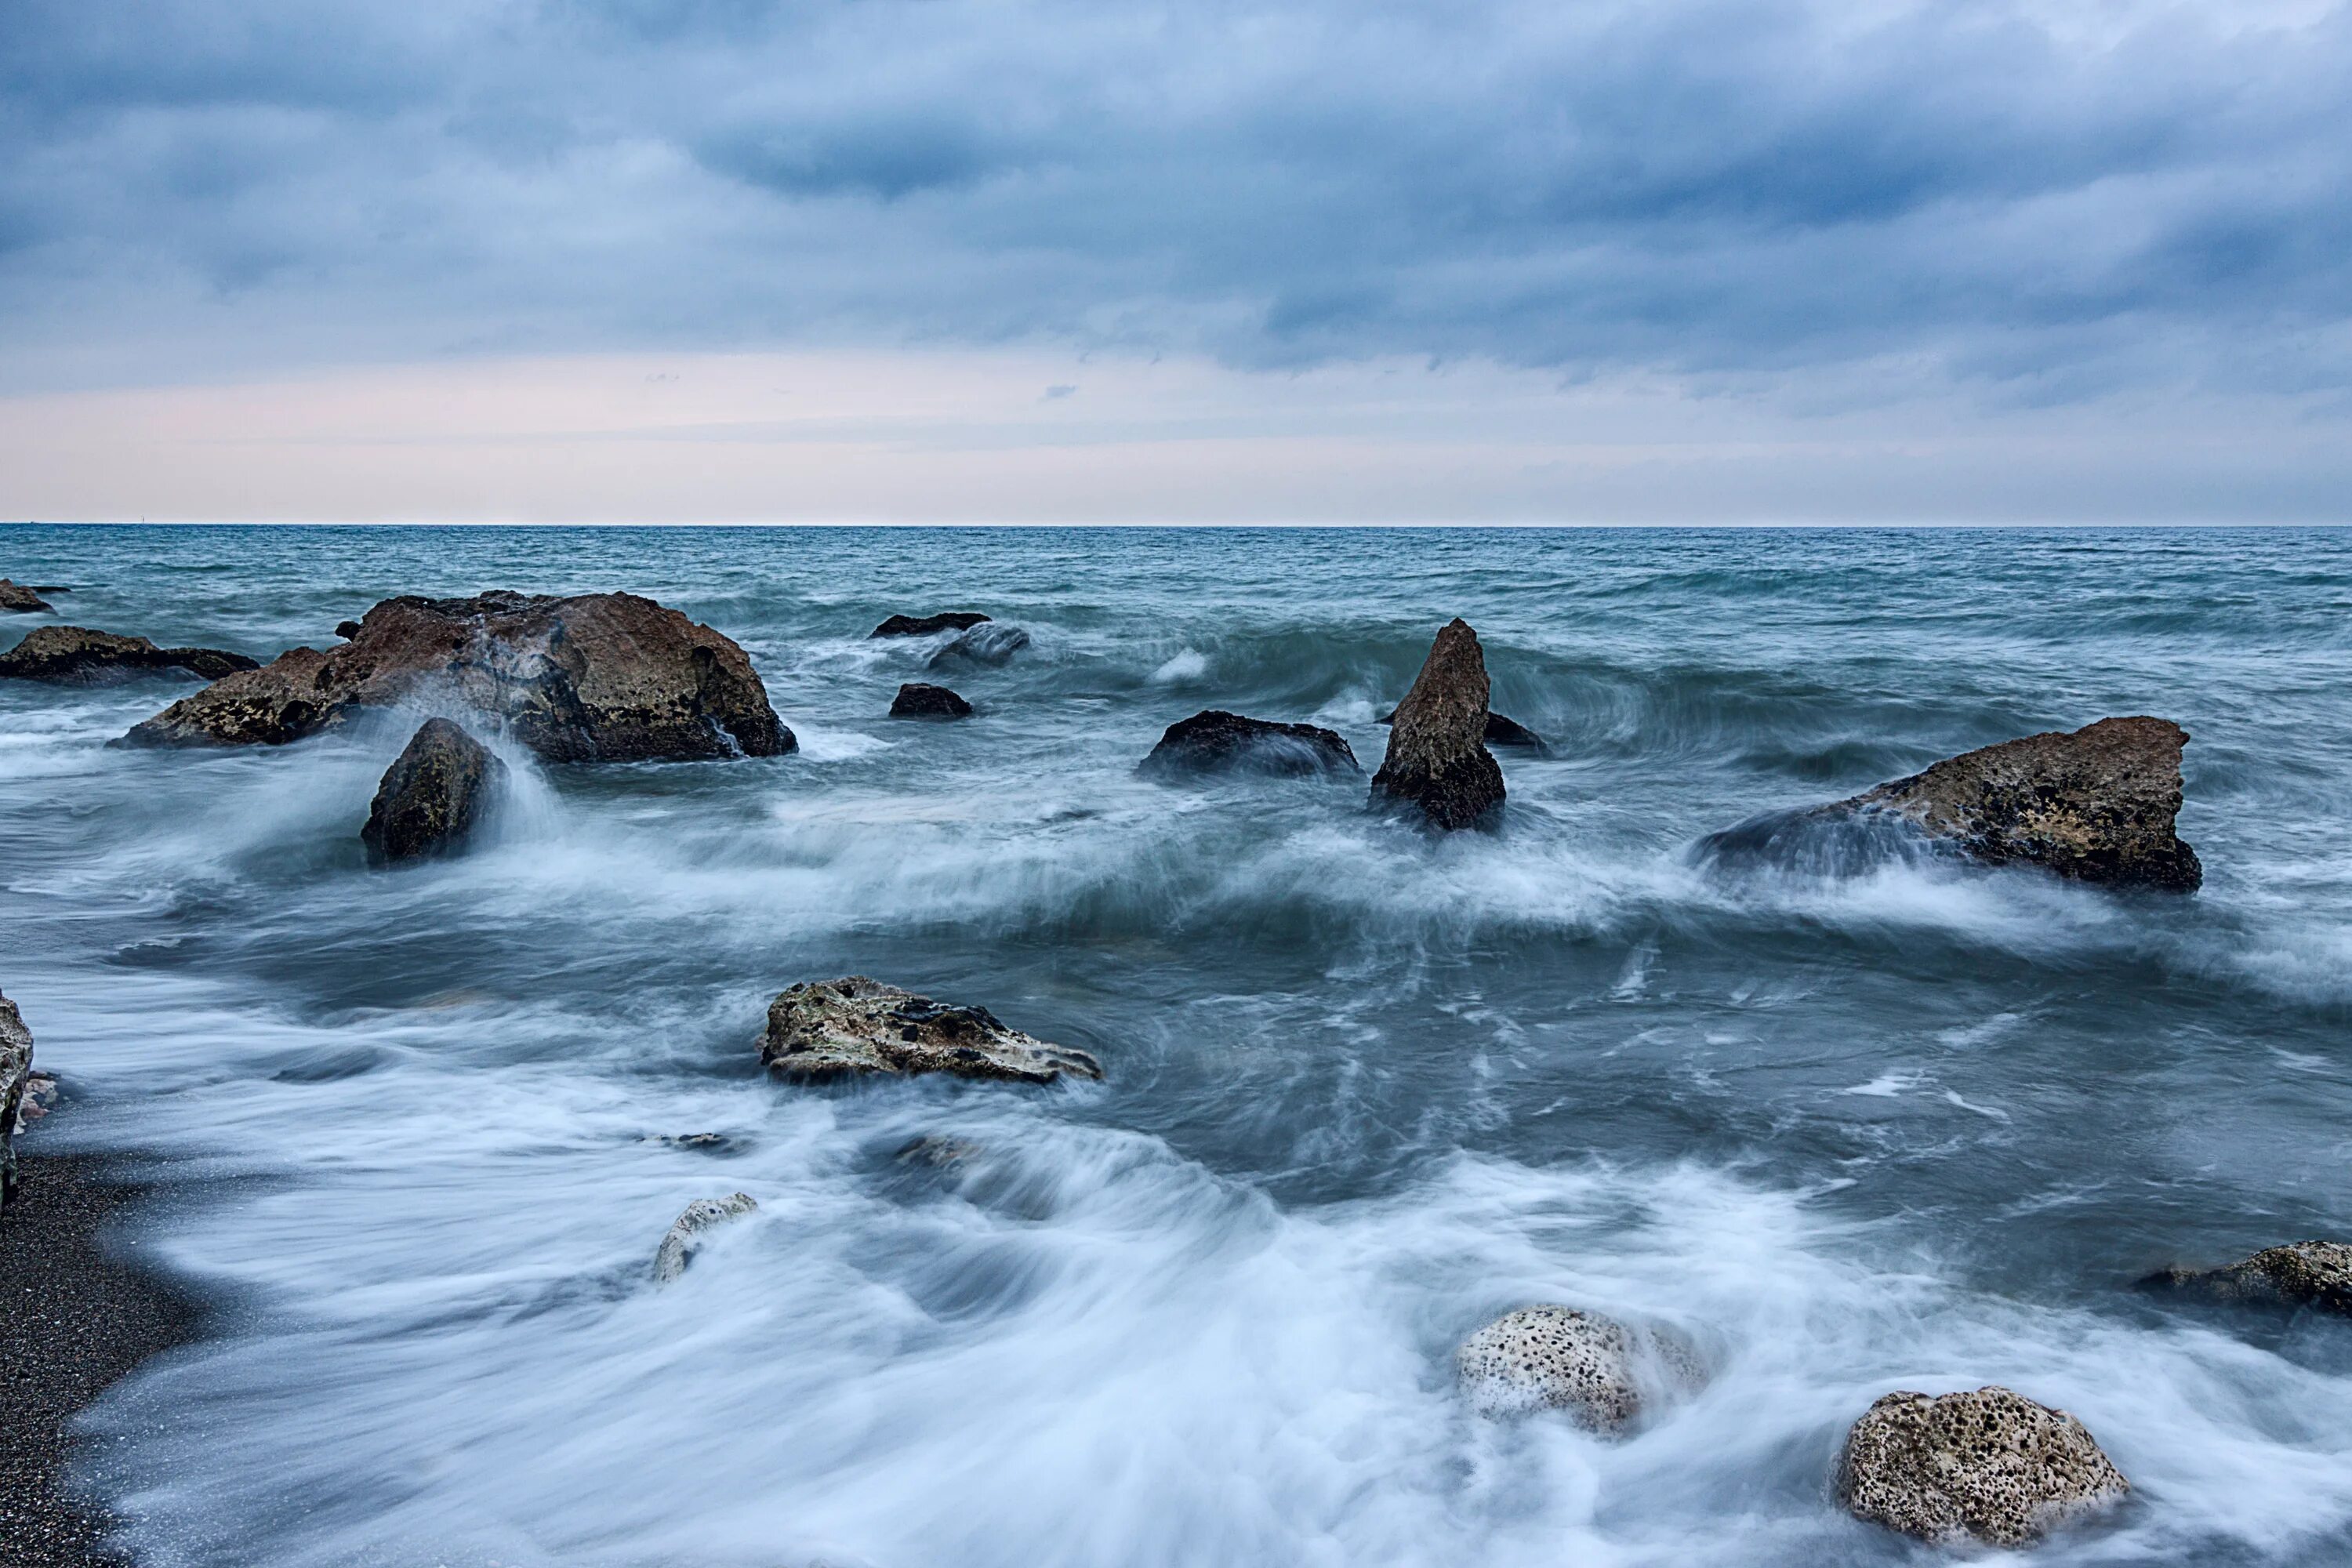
<point x="1606" y="1375"/>
<point x="939" y="1152"/>
<point x="1218" y="742"/>
<point x="917" y="701"/>
<point x="592" y="678"/>
<point x="77" y="656"/>
<point x="1990" y="1465"/>
<point x="434" y="794"/>
<point x="2300" y="1274"/>
<point x="685" y="1237"/>
<point x="990" y="643"/>
<point x="1437" y="760"/>
<point x="15" y="1072"/>
<point x="830" y="1028"/>
<point x="924" y="626"/>
<point x="17" y="597"/>
<point x="1500" y="732"/>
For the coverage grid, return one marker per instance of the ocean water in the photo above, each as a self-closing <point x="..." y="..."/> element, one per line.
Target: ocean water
<point x="1917" y="1127"/>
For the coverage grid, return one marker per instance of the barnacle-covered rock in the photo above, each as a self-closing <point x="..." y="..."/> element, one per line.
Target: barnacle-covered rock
<point x="1989" y="1466"/>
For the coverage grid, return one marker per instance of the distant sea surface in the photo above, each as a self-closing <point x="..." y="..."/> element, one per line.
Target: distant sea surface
<point x="1917" y="1128"/>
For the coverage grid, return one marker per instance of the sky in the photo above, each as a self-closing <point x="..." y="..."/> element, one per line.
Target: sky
<point x="1326" y="260"/>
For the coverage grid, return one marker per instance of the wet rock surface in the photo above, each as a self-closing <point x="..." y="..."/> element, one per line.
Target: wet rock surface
<point x="917" y="701"/>
<point x="16" y="1073"/>
<point x="1500" y="732"/>
<point x="854" y="1027"/>
<point x="993" y="643"/>
<point x="432" y="796"/>
<point x="2299" y="1274"/>
<point x="1606" y="1375"/>
<point x="926" y="625"/>
<point x="1437" y="763"/>
<point x="687" y="1232"/>
<point x="1217" y="741"/>
<point x="77" y="656"/>
<point x="1990" y="1466"/>
<point x="592" y="677"/>
<point x="15" y="596"/>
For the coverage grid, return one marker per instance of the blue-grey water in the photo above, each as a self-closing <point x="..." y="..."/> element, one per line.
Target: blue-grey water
<point x="1920" y="1128"/>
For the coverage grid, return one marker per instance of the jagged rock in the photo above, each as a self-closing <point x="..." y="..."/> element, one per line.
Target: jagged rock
<point x="924" y="626"/>
<point x="15" y="1072"/>
<point x="16" y="596"/>
<point x="2300" y="1274"/>
<point x="1437" y="760"/>
<point x="685" y="1237"/>
<point x="593" y="678"/>
<point x="1989" y="1466"/>
<point x="1500" y="732"/>
<point x="1606" y="1375"/>
<point x="917" y="701"/>
<point x="434" y="794"/>
<point x="77" y="656"/>
<point x="990" y="643"/>
<point x="822" y="1029"/>
<point x="1218" y="742"/>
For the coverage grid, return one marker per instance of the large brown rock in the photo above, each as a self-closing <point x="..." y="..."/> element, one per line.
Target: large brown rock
<point x="2300" y="1274"/>
<point x="432" y="796"/>
<point x="1437" y="761"/>
<point x="15" y="1068"/>
<point x="2097" y="805"/>
<point x="77" y="656"/>
<point x="17" y="597"/>
<point x="835" y="1028"/>
<point x="1217" y="741"/>
<point x="592" y="678"/>
<point x="1989" y="1466"/>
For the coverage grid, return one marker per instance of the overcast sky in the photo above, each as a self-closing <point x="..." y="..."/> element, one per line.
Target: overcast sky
<point x="1334" y="259"/>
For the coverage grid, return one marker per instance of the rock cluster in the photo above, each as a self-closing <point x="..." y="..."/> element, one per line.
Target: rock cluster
<point x="77" y="656"/>
<point x="15" y="1068"/>
<point x="1218" y="742"/>
<point x="432" y="796"/>
<point x="1437" y="761"/>
<point x="685" y="1233"/>
<point x="1605" y="1374"/>
<point x="917" y="701"/>
<point x="924" y="626"/>
<point x="832" y="1029"/>
<point x="15" y="596"/>
<point x="2300" y="1274"/>
<point x="1991" y="1467"/>
<point x="592" y="678"/>
<point x="992" y="643"/>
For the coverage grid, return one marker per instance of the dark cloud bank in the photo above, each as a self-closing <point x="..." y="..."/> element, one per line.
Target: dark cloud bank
<point x="2010" y="197"/>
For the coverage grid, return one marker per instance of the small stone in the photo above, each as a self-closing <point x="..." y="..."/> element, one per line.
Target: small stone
<point x="1606" y="1375"/>
<point x="2299" y="1274"/>
<point x="917" y="701"/>
<point x="1990" y="1466"/>
<point x="1437" y="761"/>
<point x="990" y="643"/>
<point x="685" y="1236"/>
<point x="925" y="626"/>
<point x="1218" y="742"/>
<point x="432" y="796"/>
<point x="855" y="1026"/>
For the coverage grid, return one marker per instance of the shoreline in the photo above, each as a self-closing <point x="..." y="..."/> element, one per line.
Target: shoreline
<point x="77" y="1312"/>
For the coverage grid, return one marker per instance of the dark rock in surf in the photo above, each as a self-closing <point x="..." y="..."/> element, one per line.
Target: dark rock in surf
<point x="1500" y="732"/>
<point x="76" y="656"/>
<point x="15" y="1072"/>
<point x="924" y="626"/>
<point x="1437" y="761"/>
<point x="1990" y="1466"/>
<point x="2300" y="1274"/>
<point x="15" y="596"/>
<point x="347" y="629"/>
<point x="1219" y="742"/>
<point x="1606" y="1375"/>
<point x="592" y="677"/>
<point x="432" y="796"/>
<point x="856" y="1027"/>
<point x="685" y="1233"/>
<point x="990" y="643"/>
<point x="917" y="701"/>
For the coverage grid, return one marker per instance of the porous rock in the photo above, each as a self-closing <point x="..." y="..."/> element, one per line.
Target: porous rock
<point x="16" y="1070"/>
<point x="834" y="1028"/>
<point x="1500" y="732"/>
<point x="2299" y="1274"/>
<point x="1437" y="762"/>
<point x="924" y="626"/>
<point x="77" y="656"/>
<point x="992" y="643"/>
<point x="1989" y="1466"/>
<point x="917" y="701"/>
<point x="1605" y="1374"/>
<point x="684" y="1236"/>
<point x="592" y="677"/>
<point x="1219" y="742"/>
<point x="15" y="596"/>
<point x="432" y="796"/>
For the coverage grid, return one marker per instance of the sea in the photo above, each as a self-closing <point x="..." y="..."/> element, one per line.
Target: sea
<point x="414" y="1135"/>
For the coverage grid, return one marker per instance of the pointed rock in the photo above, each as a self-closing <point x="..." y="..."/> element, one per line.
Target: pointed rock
<point x="1437" y="761"/>
<point x="432" y="796"/>
<point x="1500" y="732"/>
<point x="77" y="656"/>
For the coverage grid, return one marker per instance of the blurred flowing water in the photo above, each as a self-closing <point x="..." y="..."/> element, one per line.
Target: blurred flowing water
<point x="1919" y="1128"/>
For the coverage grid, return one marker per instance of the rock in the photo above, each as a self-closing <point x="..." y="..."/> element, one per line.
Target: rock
<point x="685" y="1238"/>
<point x="1991" y="1467"/>
<point x="1500" y="732"/>
<point x="18" y="597"/>
<point x="917" y="701"/>
<point x="76" y="656"/>
<point x="940" y="1153"/>
<point x="924" y="626"/>
<point x="432" y="796"/>
<point x="990" y="643"/>
<point x="1602" y="1372"/>
<point x="1218" y="742"/>
<point x="830" y="1028"/>
<point x="2300" y="1274"/>
<point x="16" y="1070"/>
<point x="347" y="629"/>
<point x="593" y="678"/>
<point x="1437" y="760"/>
